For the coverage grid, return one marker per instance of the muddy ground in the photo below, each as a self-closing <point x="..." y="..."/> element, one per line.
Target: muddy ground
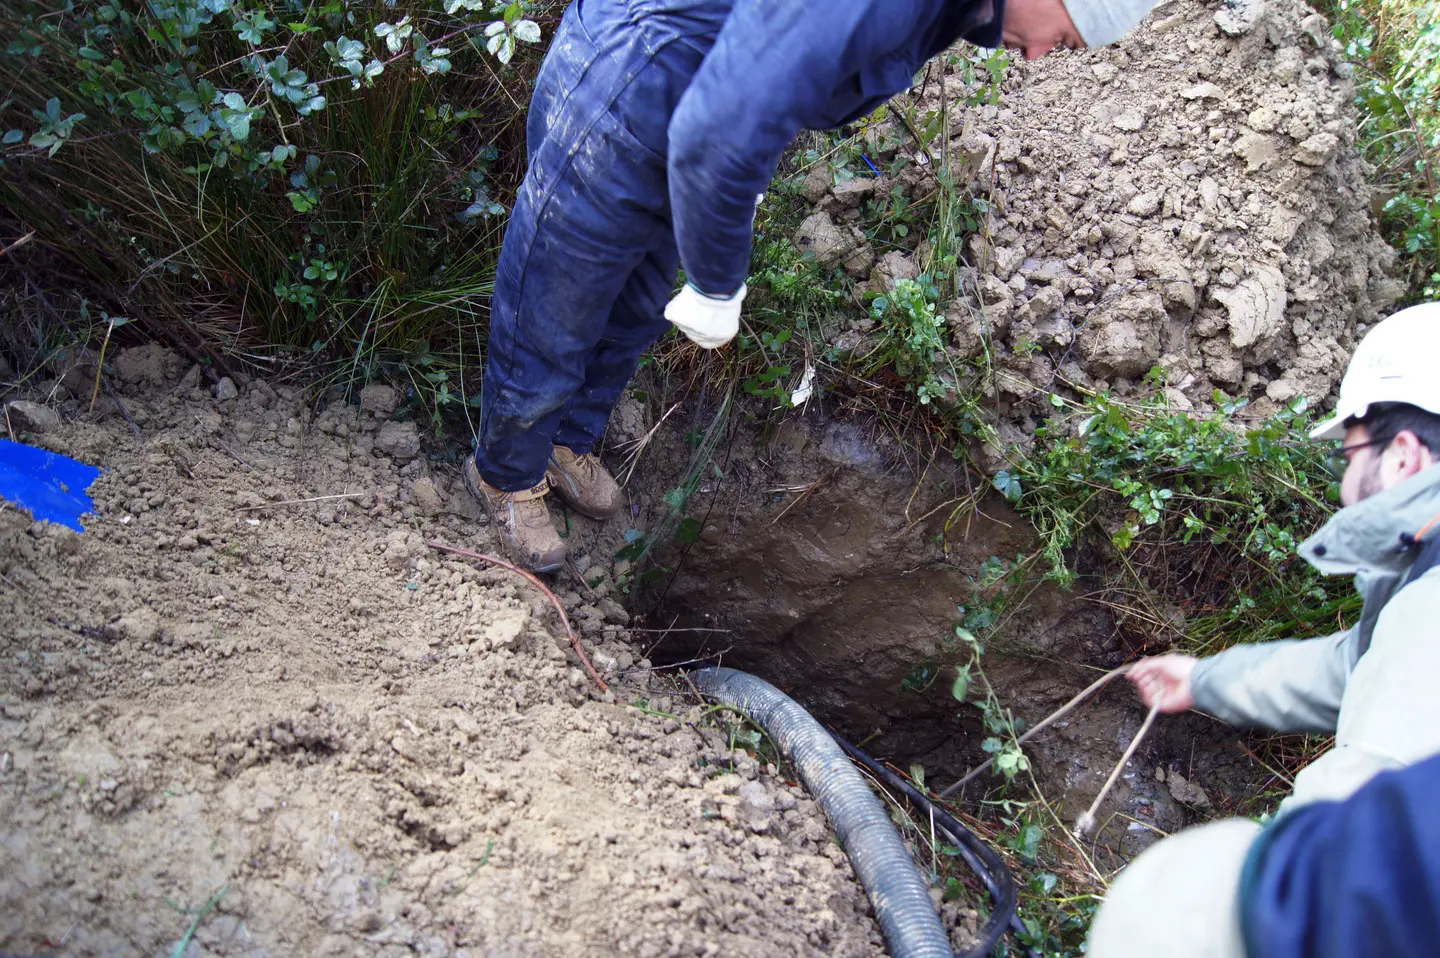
<point x="342" y="742"/>
<point x="250" y="699"/>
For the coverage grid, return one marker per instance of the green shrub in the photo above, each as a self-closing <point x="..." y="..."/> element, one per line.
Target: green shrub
<point x="269" y="175"/>
<point x="1395" y="46"/>
<point x="1190" y="521"/>
<point x="912" y="336"/>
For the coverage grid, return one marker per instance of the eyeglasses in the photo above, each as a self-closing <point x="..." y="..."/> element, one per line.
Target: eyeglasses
<point x="1340" y="458"/>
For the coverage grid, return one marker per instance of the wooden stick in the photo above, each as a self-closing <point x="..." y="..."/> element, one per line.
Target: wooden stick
<point x="18" y="243"/>
<point x="118" y="404"/>
<point x="535" y="581"/>
<point x="1085" y="823"/>
<point x="224" y="448"/>
<point x="570" y="564"/>
<point x="1045" y="723"/>
<point x="99" y="364"/>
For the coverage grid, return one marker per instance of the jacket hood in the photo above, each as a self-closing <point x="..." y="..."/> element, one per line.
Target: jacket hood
<point x="1378" y="534"/>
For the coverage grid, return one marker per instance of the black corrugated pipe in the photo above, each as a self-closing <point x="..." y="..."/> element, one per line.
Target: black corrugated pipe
<point x="898" y="892"/>
<point x="983" y="860"/>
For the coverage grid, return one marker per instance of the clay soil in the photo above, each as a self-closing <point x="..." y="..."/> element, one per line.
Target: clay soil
<point x="293" y="729"/>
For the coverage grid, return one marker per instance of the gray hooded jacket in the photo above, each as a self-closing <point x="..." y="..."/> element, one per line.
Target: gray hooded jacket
<point x="1375" y="685"/>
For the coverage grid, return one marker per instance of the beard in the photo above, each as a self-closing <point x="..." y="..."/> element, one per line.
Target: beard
<point x="1370" y="482"/>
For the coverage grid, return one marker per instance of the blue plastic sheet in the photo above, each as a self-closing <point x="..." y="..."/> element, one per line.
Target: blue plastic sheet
<point x="53" y="487"/>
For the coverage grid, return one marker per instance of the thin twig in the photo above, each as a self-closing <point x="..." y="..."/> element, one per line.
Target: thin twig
<point x="1086" y="822"/>
<point x="632" y="458"/>
<point x="535" y="581"/>
<point x="18" y="243"/>
<point x="100" y="375"/>
<point x="297" y="502"/>
<point x="224" y="448"/>
<point x="580" y="578"/>
<point x="99" y="364"/>
<point x="1045" y="723"/>
<point x="669" y="666"/>
<point x="663" y="632"/>
<point x="805" y="492"/>
<point x="184" y="943"/>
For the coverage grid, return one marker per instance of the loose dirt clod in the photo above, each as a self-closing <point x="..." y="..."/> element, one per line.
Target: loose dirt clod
<point x="301" y="706"/>
<point x="559" y="609"/>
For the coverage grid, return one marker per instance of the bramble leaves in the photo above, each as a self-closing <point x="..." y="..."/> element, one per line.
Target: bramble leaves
<point x="55" y="128"/>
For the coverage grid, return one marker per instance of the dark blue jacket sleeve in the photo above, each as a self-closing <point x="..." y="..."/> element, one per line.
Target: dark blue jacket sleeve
<point x="773" y="64"/>
<point x="1350" y="879"/>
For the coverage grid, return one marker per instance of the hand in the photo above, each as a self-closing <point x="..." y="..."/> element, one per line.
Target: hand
<point x="1165" y="679"/>
<point x="707" y="321"/>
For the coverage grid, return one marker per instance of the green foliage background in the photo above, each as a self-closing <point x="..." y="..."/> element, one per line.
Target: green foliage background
<point x="270" y="177"/>
<point x="1395" y="47"/>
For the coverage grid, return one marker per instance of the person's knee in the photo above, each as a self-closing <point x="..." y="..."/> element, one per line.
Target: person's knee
<point x="1180" y="898"/>
<point x="522" y="401"/>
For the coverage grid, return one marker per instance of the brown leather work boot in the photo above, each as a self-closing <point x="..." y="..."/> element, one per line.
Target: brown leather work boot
<point x="583" y="483"/>
<point x="522" y="521"/>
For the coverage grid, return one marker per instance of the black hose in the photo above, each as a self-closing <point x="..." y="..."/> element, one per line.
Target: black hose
<point x="898" y="892"/>
<point x="981" y="859"/>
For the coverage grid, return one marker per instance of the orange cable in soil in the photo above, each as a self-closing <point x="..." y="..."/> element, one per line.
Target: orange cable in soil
<point x="534" y="580"/>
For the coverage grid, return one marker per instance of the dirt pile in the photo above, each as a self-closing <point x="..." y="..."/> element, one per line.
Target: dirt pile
<point x="250" y="686"/>
<point x="1190" y="198"/>
<point x="1193" y="199"/>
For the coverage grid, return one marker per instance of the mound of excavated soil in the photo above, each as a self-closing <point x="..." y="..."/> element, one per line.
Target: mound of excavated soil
<point x="368" y="749"/>
<point x="1190" y="198"/>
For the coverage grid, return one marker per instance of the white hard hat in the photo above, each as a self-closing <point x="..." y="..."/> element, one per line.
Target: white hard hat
<point x="1397" y="361"/>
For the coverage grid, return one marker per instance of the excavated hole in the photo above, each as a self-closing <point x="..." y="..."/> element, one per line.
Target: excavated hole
<point x="846" y="597"/>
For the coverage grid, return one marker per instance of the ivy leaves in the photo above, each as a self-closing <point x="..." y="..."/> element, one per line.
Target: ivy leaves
<point x="236" y="116"/>
<point x="181" y="102"/>
<point x="395" y="35"/>
<point x="503" y="34"/>
<point x="431" y="59"/>
<point x="308" y="184"/>
<point x="251" y="26"/>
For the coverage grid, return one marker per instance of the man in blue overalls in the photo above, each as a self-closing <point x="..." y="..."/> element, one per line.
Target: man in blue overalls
<point x="654" y="126"/>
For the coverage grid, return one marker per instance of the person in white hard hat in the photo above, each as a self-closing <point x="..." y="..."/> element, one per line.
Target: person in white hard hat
<point x="1373" y="686"/>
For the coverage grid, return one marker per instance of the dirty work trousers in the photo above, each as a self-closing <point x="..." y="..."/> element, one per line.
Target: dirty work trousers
<point x="589" y="258"/>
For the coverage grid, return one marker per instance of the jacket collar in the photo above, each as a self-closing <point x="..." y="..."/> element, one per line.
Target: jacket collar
<point x="1378" y="534"/>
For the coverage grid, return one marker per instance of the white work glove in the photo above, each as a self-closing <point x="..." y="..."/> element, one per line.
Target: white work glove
<point x="707" y="321"/>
